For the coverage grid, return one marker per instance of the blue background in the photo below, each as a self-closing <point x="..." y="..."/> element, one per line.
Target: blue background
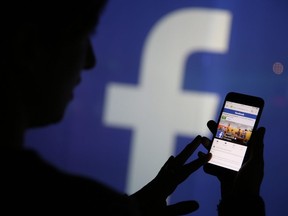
<point x="82" y="144"/>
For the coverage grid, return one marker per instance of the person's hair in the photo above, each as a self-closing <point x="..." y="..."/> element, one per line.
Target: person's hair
<point x="50" y="15"/>
<point x="52" y="20"/>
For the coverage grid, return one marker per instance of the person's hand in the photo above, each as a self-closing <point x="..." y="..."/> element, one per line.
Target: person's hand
<point x="249" y="178"/>
<point x="240" y="191"/>
<point x="152" y="197"/>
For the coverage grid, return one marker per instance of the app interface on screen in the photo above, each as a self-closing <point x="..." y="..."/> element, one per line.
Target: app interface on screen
<point x="233" y="133"/>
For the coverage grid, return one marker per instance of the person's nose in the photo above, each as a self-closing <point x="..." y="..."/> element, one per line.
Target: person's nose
<point x="90" y="58"/>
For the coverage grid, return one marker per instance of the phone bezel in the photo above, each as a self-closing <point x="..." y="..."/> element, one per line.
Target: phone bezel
<point x="242" y="99"/>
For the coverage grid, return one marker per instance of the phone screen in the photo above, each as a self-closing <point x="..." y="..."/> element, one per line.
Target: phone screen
<point x="234" y="130"/>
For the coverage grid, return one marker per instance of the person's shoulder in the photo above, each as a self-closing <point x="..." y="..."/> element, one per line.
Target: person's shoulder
<point x="26" y="174"/>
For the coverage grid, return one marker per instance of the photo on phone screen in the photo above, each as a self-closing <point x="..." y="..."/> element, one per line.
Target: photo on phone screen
<point x="234" y="130"/>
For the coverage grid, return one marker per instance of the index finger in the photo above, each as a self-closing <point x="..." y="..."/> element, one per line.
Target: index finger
<point x="194" y="165"/>
<point x="183" y="156"/>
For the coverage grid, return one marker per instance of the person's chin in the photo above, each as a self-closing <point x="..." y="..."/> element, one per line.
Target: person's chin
<point x="46" y="118"/>
<point x="45" y="122"/>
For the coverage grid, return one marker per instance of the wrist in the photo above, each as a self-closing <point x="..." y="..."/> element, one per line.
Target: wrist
<point x="241" y="205"/>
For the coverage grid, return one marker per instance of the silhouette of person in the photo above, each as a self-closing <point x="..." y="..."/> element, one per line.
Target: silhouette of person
<point x="45" y="46"/>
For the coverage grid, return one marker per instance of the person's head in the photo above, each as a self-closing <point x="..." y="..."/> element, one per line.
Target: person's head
<point x="44" y="47"/>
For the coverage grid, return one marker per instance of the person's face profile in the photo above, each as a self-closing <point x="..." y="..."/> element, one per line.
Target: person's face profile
<point x="58" y="72"/>
<point x="44" y="57"/>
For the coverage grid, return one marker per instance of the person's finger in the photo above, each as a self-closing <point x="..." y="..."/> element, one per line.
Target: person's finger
<point x="256" y="145"/>
<point x="182" y="157"/>
<point x="212" y="125"/>
<point x="181" y="208"/>
<point x="169" y="161"/>
<point x="194" y="165"/>
<point x="206" y="142"/>
<point x="259" y="143"/>
<point x="197" y="163"/>
<point x="201" y="154"/>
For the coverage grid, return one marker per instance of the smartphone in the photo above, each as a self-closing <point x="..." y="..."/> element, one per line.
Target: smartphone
<point x="239" y="117"/>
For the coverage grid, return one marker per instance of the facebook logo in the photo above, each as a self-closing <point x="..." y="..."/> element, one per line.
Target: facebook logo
<point x="157" y="108"/>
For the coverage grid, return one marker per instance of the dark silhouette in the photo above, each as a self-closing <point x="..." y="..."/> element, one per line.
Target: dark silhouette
<point x="44" y="47"/>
